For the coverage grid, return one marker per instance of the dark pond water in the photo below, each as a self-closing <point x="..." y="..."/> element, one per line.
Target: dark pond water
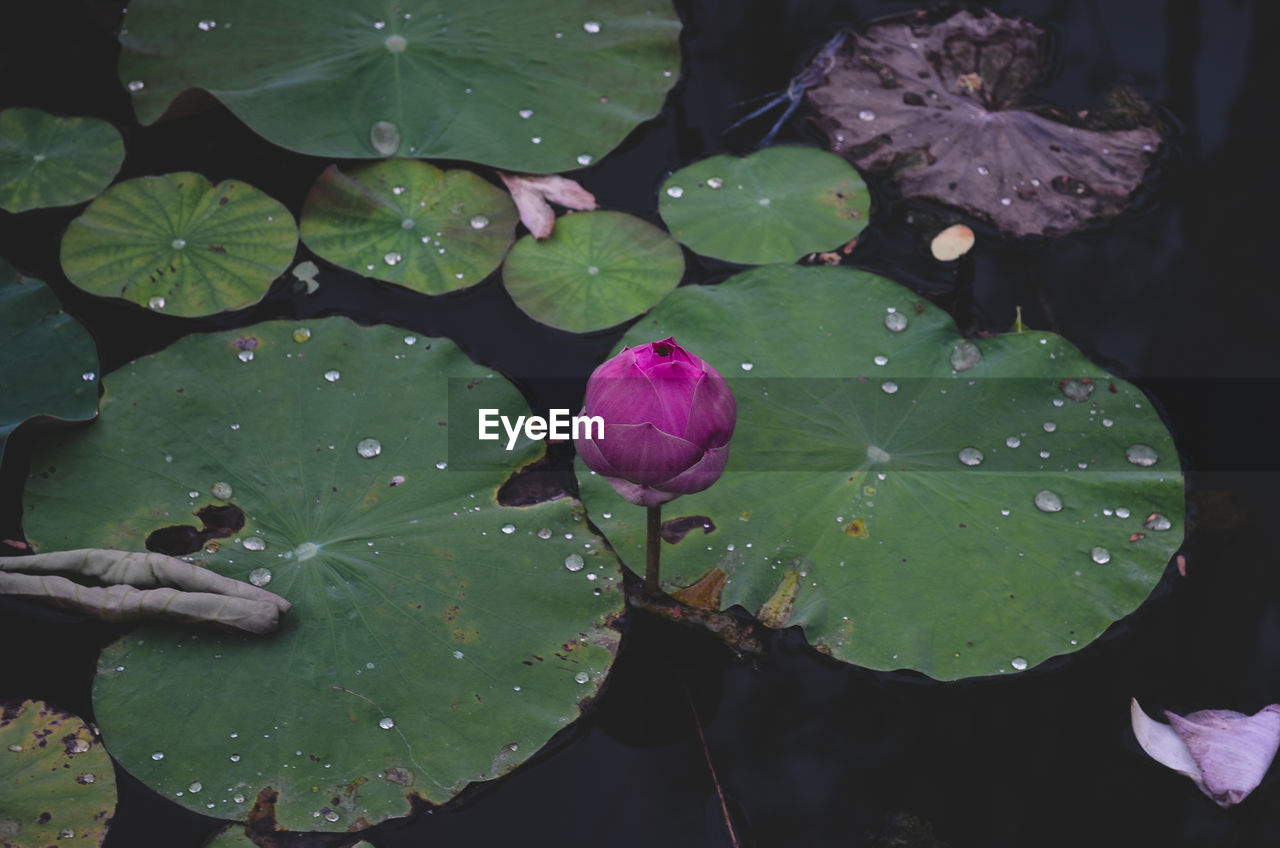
<point x="1177" y="296"/>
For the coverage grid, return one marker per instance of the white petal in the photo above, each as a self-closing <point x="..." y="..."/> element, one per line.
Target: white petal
<point x="1163" y="744"/>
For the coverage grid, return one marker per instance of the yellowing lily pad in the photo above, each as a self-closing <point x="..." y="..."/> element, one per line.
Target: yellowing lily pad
<point x="596" y="270"/>
<point x="180" y="245"/>
<point x="775" y="205"/>
<point x="57" y="784"/>
<point x="410" y="223"/>
<point x="51" y="161"/>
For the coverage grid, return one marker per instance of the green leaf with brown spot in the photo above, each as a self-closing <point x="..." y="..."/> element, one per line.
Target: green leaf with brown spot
<point x="180" y="245"/>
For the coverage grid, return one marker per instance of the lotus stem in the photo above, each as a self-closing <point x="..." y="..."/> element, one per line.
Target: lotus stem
<point x="652" y="552"/>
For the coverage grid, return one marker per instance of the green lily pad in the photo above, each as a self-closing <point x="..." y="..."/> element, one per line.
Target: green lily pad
<point x="51" y="161"/>
<point x="775" y="205"/>
<point x="49" y="360"/>
<point x="180" y="245"/>
<point x="909" y="498"/>
<point x="541" y="86"/>
<point x="56" y="780"/>
<point x="410" y="223"/>
<point x="435" y="637"/>
<point x="596" y="270"/>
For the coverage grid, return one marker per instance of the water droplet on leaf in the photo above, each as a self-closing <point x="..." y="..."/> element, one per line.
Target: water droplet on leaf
<point x="385" y="138"/>
<point x="1100" y="555"/>
<point x="369" y="448"/>
<point x="1143" y="455"/>
<point x="260" y="577"/>
<point x="896" y="321"/>
<point x="970" y="456"/>
<point x="573" y="562"/>
<point x="1047" y="501"/>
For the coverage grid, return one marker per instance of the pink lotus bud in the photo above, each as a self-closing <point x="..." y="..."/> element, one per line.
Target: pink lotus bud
<point x="668" y="417"/>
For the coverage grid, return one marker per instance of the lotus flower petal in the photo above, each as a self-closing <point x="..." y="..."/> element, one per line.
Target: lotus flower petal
<point x="1225" y="753"/>
<point x="532" y="194"/>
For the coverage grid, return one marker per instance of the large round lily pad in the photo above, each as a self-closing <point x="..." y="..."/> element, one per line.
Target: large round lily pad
<point x="179" y="244"/>
<point x="435" y="637"/>
<point x="775" y="205"/>
<point x="541" y="86"/>
<point x="909" y="498"/>
<point x="597" y="269"/>
<point x="48" y="362"/>
<point x="50" y="161"/>
<point x="56" y="781"/>
<point x="410" y="223"/>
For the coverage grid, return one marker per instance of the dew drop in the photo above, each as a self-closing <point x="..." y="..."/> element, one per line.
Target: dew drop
<point x="1107" y="422"/>
<point x="1100" y="555"/>
<point x="442" y="465"/>
<point x="379" y="24"/>
<point x="866" y="115"/>
<point x="238" y="798"/>
<point x="584" y="158"/>
<point x="896" y="321"/>
<point x="1156" y="521"/>
<point x="392" y="258"/>
<point x="156" y="302"/>
<point x="675" y="191"/>
<point x="747" y="366"/>
<point x="581" y="677"/>
<point x="221" y="491"/>
<point x="1077" y="390"/>
<point x="1122" y="512"/>
<point x="368" y="448"/>
<point x="876" y="454"/>
<point x="479" y="222"/>
<point x="1140" y="454"/>
<point x="88" y="376"/>
<point x="193" y="494"/>
<point x="396" y="43"/>
<point x="195" y="786"/>
<point x="38" y="157"/>
<point x="982" y="170"/>
<point x="508" y="529"/>
<point x="385" y="138"/>
<point x="386" y="723"/>
<point x="253" y="543"/>
<point x="889" y="387"/>
<point x="544" y="533"/>
<point x="881" y="360"/>
<point x="157" y="755"/>
<point x="573" y="562"/>
<point x="245" y="356"/>
<point x="526" y="113"/>
<point x="333" y="376"/>
<point x="970" y="456"/>
<point x="301" y="335"/>
<point x="1047" y="501"/>
<point x="1013" y="442"/>
<point x="537" y="139"/>
<point x="1049" y="426"/>
<point x="1004" y="201"/>
<point x="964" y="356"/>
<point x="178" y="243"/>
<point x="260" y="577"/>
<point x="408" y="224"/>
<point x="235" y="758"/>
<point x="205" y="26"/>
<point x="593" y="270"/>
<point x="592" y="26"/>
<point x="137" y="85"/>
<point x="1019" y="663"/>
<point x="330" y="815"/>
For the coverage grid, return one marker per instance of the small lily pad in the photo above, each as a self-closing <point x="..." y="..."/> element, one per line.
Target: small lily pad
<point x="911" y="498"/>
<point x="541" y="86"/>
<point x="51" y="161"/>
<point x="596" y="270"/>
<point x="410" y="223"/>
<point x="775" y="205"/>
<point x="435" y="636"/>
<point x="180" y="245"/>
<point x="48" y="361"/>
<point x="56" y="781"/>
<point x="941" y="107"/>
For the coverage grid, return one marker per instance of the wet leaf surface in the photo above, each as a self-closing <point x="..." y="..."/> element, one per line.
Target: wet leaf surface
<point x="909" y="498"/>
<point x="180" y="245"/>
<point x="775" y="205"/>
<point x="943" y="108"/>
<point x="50" y="161"/>
<point x="56" y="780"/>
<point x="436" y="637"/>
<point x="48" y="361"/>
<point x="537" y="86"/>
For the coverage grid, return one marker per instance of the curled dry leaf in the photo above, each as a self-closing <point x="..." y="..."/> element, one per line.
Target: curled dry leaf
<point x="1225" y="753"/>
<point x="129" y="586"/>
<point x="937" y="104"/>
<point x="535" y="194"/>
